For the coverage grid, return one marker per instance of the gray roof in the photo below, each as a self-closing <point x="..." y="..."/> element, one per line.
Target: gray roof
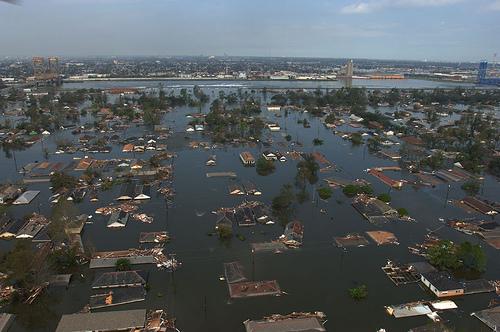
<point x="490" y="317"/>
<point x="98" y="263"/>
<point x="6" y="321"/>
<point x="60" y="280"/>
<point x="102" y="321"/>
<point x="423" y="267"/>
<point x="307" y="324"/>
<point x="118" y="219"/>
<point x="26" y="197"/>
<point x="116" y="279"/>
<point x="442" y="281"/>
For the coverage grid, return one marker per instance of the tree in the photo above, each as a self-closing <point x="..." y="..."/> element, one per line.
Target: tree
<point x="17" y="264"/>
<point x="123" y="264"/>
<point x="317" y="141"/>
<point x="494" y="166"/>
<point x="63" y="260"/>
<point x="359" y="293"/>
<point x="471" y="187"/>
<point x="352" y="190"/>
<point x="471" y="256"/>
<point x="151" y="116"/>
<point x="356" y="139"/>
<point x="433" y="162"/>
<point x="402" y="212"/>
<point x="61" y="180"/>
<point x="446" y="255"/>
<point x="386" y="198"/>
<point x="224" y="232"/>
<point x="374" y="144"/>
<point x="325" y="192"/>
<point x="282" y="204"/>
<point x="265" y="167"/>
<point x="307" y="170"/>
<point x="62" y="213"/>
<point x="330" y="118"/>
<point x="442" y="255"/>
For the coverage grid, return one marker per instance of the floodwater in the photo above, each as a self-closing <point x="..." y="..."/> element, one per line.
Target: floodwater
<point x="273" y="84"/>
<point x="315" y="277"/>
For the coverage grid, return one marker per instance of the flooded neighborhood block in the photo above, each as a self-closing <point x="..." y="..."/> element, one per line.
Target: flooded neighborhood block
<point x="383" y="237"/>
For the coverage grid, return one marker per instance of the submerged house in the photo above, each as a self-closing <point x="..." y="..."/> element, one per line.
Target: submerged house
<point x="245" y="217"/>
<point x="26" y="197"/>
<point x="118" y="279"/>
<point x="125" y="320"/>
<point x="479" y="205"/>
<point x="268" y="155"/>
<point x="293" y="235"/>
<point x="224" y="224"/>
<point x="247" y="158"/>
<point x="134" y="191"/>
<point x="9" y="227"/>
<point x="251" y="189"/>
<point x="8" y="193"/>
<point x="212" y="161"/>
<point x="118" y="219"/>
<point x="127" y="192"/>
<point x="142" y="192"/>
<point x="299" y="324"/>
<point x="442" y="284"/>
<point x="128" y="148"/>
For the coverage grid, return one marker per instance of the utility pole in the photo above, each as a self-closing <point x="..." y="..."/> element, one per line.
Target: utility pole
<point x="205" y="306"/>
<point x="253" y="265"/>
<point x="447" y="193"/>
<point x="15" y="160"/>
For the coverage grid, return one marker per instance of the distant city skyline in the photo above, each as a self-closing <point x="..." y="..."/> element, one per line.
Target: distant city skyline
<point x="433" y="30"/>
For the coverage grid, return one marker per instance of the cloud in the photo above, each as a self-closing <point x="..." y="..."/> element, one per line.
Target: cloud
<point x="495" y="5"/>
<point x="374" y="5"/>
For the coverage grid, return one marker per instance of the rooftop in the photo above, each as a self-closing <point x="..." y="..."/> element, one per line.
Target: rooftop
<point x="103" y="321"/>
<point x="308" y="324"/>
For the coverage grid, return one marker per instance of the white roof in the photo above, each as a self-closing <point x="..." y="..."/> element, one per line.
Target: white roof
<point x="444" y="305"/>
<point x="26" y="197"/>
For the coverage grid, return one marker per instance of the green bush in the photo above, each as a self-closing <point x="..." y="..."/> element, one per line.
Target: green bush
<point x="403" y="212"/>
<point x="386" y="198"/>
<point x="317" y="141"/>
<point x="325" y="192"/>
<point x="352" y="190"/>
<point x="471" y="187"/>
<point x="264" y="167"/>
<point x="359" y="293"/>
<point x="123" y="264"/>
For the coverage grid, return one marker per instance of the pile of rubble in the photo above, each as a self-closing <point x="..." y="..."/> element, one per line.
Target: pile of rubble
<point x="109" y="210"/>
<point x="167" y="192"/>
<point x="142" y="217"/>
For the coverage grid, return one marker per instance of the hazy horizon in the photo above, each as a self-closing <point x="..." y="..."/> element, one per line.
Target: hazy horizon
<point x="406" y="30"/>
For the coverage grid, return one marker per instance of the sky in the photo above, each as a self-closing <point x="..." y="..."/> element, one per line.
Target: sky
<point x="441" y="30"/>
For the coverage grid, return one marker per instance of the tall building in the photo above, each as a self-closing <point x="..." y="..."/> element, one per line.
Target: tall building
<point x="482" y="75"/>
<point x="53" y="65"/>
<point x="349" y="70"/>
<point x="38" y="67"/>
<point x="46" y="70"/>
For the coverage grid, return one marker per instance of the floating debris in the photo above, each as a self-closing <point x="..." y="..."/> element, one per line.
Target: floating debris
<point x="153" y="237"/>
<point x="351" y="240"/>
<point x="401" y="274"/>
<point x="142" y="217"/>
